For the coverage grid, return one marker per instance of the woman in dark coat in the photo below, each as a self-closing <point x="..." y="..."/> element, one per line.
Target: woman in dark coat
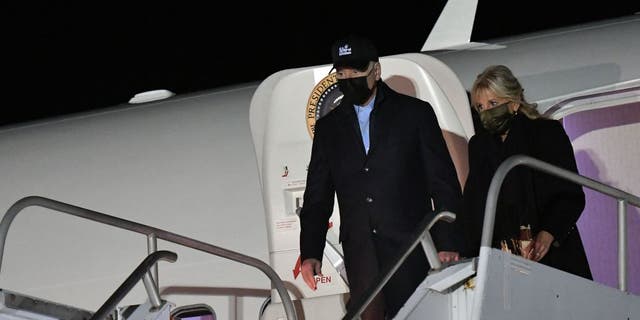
<point x="549" y="205"/>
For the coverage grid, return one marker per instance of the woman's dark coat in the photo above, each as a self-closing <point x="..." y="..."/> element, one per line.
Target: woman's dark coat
<point x="527" y="196"/>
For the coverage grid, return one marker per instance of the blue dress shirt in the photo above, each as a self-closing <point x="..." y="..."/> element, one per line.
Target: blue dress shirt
<point x="364" y="114"/>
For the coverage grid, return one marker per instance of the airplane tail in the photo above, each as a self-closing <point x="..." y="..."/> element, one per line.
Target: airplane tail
<point x="454" y="26"/>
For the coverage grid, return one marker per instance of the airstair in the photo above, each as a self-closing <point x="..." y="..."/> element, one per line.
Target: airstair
<point x="494" y="285"/>
<point x="499" y="285"/>
<point x="16" y="306"/>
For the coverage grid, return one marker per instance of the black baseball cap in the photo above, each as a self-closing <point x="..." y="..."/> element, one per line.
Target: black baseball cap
<point x="353" y="51"/>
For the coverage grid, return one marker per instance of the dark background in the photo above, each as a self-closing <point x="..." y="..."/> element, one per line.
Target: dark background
<point x="71" y="57"/>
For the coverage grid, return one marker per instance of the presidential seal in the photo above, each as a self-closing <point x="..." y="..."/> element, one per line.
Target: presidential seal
<point x="325" y="97"/>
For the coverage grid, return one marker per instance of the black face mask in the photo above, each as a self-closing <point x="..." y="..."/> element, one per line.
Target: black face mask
<point x="497" y="120"/>
<point x="356" y="90"/>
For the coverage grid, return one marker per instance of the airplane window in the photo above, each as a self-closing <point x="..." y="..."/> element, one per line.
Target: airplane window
<point x="193" y="312"/>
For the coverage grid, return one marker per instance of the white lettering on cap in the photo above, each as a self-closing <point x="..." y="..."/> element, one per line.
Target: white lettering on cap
<point x="344" y="50"/>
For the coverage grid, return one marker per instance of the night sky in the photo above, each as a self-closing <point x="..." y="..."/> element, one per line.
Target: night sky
<point x="63" y="58"/>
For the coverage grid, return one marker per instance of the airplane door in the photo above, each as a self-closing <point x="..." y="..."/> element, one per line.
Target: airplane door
<point x="283" y="114"/>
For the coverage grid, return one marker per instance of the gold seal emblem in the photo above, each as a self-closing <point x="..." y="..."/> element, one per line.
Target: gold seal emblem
<point x="324" y="97"/>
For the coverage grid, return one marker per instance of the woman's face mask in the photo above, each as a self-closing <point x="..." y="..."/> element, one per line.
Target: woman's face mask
<point x="356" y="90"/>
<point x="497" y="120"/>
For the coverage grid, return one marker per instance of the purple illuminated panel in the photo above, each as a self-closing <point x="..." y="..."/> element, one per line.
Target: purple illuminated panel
<point x="606" y="143"/>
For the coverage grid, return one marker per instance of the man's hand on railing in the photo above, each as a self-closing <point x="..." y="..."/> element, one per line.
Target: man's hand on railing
<point x="309" y="269"/>
<point x="448" y="256"/>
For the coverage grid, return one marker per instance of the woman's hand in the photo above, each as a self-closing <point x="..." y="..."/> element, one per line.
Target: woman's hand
<point x="539" y="248"/>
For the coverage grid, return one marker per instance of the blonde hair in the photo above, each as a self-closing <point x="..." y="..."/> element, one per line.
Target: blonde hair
<point x="500" y="80"/>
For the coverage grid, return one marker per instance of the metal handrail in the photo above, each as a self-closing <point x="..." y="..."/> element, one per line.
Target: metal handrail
<point x="146" y="230"/>
<point x="142" y="271"/>
<point x="423" y="237"/>
<point x="516" y="160"/>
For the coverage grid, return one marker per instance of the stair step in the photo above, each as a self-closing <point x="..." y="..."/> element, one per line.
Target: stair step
<point x="17" y="306"/>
